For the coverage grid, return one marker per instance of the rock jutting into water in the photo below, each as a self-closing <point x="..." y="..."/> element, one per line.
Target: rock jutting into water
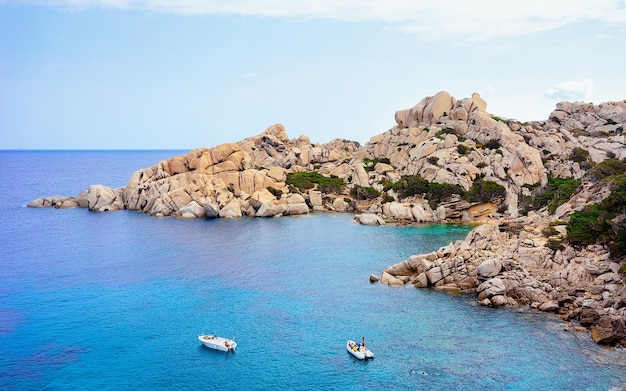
<point x="445" y="160"/>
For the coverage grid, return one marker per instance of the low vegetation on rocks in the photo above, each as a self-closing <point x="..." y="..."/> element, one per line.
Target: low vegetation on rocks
<point x="370" y="164"/>
<point x="415" y="185"/>
<point x="581" y="156"/>
<point x="484" y="191"/>
<point x="555" y="193"/>
<point x="603" y="222"/>
<point x="303" y="181"/>
<point x="364" y="192"/>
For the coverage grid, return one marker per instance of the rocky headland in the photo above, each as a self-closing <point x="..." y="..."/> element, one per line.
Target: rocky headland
<point x="548" y="198"/>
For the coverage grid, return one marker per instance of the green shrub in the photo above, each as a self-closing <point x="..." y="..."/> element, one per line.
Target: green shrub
<point x="618" y="248"/>
<point x="556" y="192"/>
<point x="275" y="192"/>
<point x="463" y="149"/>
<point x="493" y="144"/>
<point x="415" y="185"/>
<point x="308" y="180"/>
<point x="602" y="223"/>
<point x="446" y="131"/>
<point x="499" y="119"/>
<point x="589" y="226"/>
<point x="388" y="185"/>
<point x="557" y="222"/>
<point x="410" y="185"/>
<point x="581" y="156"/>
<point x="549" y="231"/>
<point x="363" y="192"/>
<point x="486" y="191"/>
<point x="440" y="192"/>
<point x="605" y="169"/>
<point x="555" y="244"/>
<point x="388" y="198"/>
<point x="622" y="268"/>
<point x="369" y="164"/>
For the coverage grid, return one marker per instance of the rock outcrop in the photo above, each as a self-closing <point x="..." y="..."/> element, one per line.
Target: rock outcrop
<point x="442" y="140"/>
<point x="229" y="180"/>
<point x="512" y="263"/>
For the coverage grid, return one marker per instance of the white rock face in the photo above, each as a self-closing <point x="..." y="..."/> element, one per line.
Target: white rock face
<point x="489" y="268"/>
<point x="315" y="198"/>
<point x="231" y="210"/>
<point x="102" y="198"/>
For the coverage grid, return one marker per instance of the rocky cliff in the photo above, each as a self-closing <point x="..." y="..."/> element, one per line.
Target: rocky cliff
<point x="445" y="160"/>
<point x="524" y="259"/>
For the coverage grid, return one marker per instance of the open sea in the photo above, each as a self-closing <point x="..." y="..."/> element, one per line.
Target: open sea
<point x="116" y="300"/>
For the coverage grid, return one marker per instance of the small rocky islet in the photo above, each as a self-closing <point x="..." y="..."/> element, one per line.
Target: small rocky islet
<point x="548" y="198"/>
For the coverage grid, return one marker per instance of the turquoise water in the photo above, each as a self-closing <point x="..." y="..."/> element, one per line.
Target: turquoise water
<point x="116" y="301"/>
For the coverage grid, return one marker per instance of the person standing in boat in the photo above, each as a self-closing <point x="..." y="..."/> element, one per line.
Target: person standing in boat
<point x="362" y="345"/>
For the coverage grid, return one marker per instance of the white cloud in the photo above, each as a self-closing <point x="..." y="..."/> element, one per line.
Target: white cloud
<point x="583" y="89"/>
<point x="602" y="36"/>
<point x="489" y="90"/>
<point x="475" y="20"/>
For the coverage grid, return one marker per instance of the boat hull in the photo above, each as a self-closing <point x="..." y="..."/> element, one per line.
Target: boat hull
<point x="360" y="352"/>
<point x="218" y="343"/>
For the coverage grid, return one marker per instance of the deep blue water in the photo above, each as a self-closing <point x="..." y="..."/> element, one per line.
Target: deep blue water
<point x="116" y="300"/>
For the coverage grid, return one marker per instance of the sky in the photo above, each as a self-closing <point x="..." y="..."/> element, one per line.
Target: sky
<point x="159" y="74"/>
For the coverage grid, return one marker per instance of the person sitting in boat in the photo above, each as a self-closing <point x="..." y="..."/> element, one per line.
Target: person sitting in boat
<point x="226" y="344"/>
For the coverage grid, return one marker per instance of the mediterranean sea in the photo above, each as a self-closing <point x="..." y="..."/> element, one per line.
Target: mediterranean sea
<point x="116" y="300"/>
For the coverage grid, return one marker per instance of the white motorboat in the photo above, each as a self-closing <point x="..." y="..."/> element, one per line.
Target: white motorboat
<point x="218" y="343"/>
<point x="359" y="351"/>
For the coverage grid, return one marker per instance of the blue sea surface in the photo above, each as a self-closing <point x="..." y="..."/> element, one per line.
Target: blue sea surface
<point x="116" y="300"/>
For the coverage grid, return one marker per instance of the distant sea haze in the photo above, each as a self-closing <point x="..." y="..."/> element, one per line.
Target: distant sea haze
<point x="116" y="301"/>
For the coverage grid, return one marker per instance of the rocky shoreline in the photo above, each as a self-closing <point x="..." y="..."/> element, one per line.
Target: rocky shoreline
<point x="445" y="160"/>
